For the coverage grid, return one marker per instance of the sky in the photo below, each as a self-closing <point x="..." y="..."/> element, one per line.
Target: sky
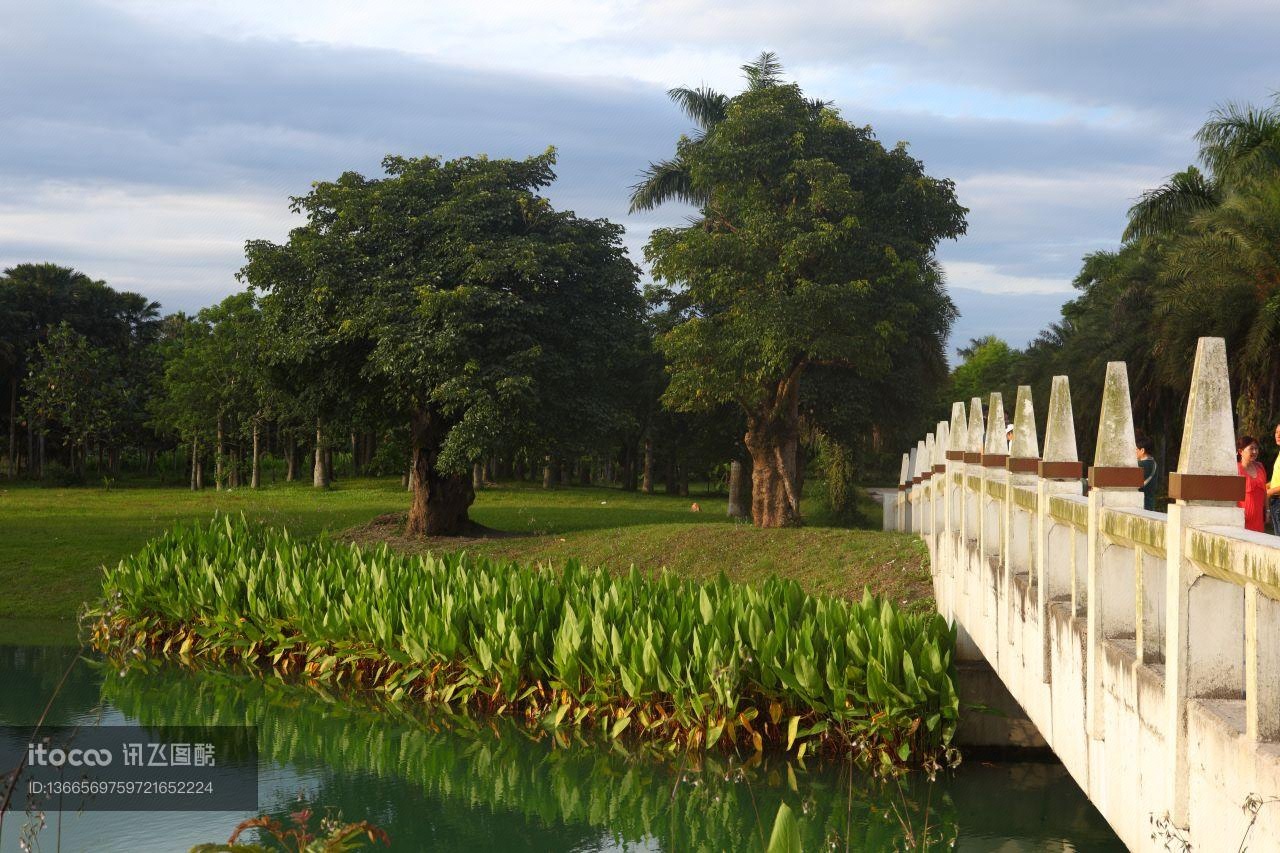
<point x="144" y="141"/>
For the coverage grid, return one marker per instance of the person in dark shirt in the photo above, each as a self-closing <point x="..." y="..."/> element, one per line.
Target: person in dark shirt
<point x="1148" y="465"/>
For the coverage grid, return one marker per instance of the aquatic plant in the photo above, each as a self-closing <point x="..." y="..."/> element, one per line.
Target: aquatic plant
<point x="692" y="664"/>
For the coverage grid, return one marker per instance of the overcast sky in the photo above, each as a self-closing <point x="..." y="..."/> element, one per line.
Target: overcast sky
<point x="143" y="141"/>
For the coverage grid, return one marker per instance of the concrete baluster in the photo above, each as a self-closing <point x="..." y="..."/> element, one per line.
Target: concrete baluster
<point x="973" y="471"/>
<point x="912" y="480"/>
<point x="995" y="450"/>
<point x="926" y="497"/>
<point x="1018" y="546"/>
<point x="939" y="480"/>
<point x="900" y="505"/>
<point x="1056" y="543"/>
<point x="1022" y="465"/>
<point x="914" y="491"/>
<point x="1114" y="480"/>
<point x="1204" y="630"/>
<point x="957" y="437"/>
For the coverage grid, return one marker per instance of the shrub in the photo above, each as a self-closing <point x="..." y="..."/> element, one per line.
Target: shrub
<point x="696" y="664"/>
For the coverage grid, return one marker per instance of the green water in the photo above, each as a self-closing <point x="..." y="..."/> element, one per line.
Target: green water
<point x="480" y="787"/>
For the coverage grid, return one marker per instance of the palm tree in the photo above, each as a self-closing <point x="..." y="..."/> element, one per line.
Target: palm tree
<point x="1239" y="146"/>
<point x="669" y="179"/>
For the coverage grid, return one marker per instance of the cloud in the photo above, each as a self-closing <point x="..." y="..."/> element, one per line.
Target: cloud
<point x="145" y="140"/>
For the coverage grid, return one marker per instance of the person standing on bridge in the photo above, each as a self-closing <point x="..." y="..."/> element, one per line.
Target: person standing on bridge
<point x="1273" y="491"/>
<point x="1255" y="482"/>
<point x="1147" y="463"/>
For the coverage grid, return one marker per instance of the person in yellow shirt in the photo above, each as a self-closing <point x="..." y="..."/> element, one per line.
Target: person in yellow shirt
<point x="1273" y="492"/>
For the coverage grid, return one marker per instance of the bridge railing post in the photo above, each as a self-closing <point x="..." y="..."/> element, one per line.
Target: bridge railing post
<point x="926" y="496"/>
<point x="973" y="472"/>
<point x="939" y="481"/>
<point x="913" y="487"/>
<point x="1114" y="481"/>
<point x="1199" y="607"/>
<point x="900" y="500"/>
<point x="995" y="451"/>
<point x="1059" y="474"/>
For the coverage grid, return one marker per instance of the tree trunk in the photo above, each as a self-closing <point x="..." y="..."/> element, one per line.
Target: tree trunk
<point x="13" y="425"/>
<point x="477" y="476"/>
<point x="549" y="471"/>
<point x="40" y="444"/>
<point x="584" y="472"/>
<point x="319" y="474"/>
<point x="684" y="481"/>
<point x="217" y="459"/>
<point x="440" y="500"/>
<point x="670" y="482"/>
<point x="330" y="474"/>
<point x="646" y="482"/>
<point x="198" y="463"/>
<point x="256" y="477"/>
<point x="290" y="459"/>
<point x="739" y="490"/>
<point x="772" y="439"/>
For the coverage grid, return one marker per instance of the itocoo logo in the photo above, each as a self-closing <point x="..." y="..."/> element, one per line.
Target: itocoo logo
<point x="38" y="755"/>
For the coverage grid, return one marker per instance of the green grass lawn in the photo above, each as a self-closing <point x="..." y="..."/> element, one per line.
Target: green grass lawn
<point x="54" y="541"/>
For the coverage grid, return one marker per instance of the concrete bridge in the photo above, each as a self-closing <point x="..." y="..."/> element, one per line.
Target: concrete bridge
<point x="1144" y="647"/>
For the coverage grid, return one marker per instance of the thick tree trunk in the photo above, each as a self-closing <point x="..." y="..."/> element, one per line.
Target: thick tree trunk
<point x="440" y="500"/>
<point x="199" y="465"/>
<point x="670" y="482"/>
<point x="772" y="439"/>
<point x="290" y="459"/>
<point x="739" y="490"/>
<point x="256" y="477"/>
<point x="319" y="473"/>
<point x="217" y="460"/>
<point x="549" y="472"/>
<point x="646" y="482"/>
<point x="477" y="476"/>
<point x="684" y="481"/>
<point x="584" y="472"/>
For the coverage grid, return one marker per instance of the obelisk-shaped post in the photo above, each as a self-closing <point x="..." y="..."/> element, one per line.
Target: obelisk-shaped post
<point x="995" y="450"/>
<point x="1204" y="490"/>
<point x="1114" y="480"/>
<point x="939" y="479"/>
<point x="900" y="503"/>
<point x="973" y="471"/>
<point x="1059" y="474"/>
<point x="1023" y="461"/>
<point x="926" y="494"/>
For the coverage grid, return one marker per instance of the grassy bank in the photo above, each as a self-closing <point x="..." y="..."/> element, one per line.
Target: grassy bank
<point x="53" y="542"/>
<point x="687" y="663"/>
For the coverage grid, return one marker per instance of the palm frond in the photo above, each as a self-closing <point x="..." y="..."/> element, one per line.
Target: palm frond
<point x="1168" y="207"/>
<point x="764" y="71"/>
<point x="705" y="107"/>
<point x="661" y="182"/>
<point x="1240" y="143"/>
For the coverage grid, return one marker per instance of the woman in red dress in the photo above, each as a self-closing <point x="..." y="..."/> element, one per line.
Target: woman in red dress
<point x="1255" y="482"/>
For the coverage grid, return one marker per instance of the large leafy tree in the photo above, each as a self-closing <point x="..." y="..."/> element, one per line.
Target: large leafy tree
<point x="454" y="296"/>
<point x="814" y="251"/>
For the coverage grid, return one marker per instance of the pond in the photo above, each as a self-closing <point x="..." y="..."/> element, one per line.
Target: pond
<point x="477" y="786"/>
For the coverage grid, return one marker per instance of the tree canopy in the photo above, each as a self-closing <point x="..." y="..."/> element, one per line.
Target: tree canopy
<point x="814" y="250"/>
<point x="456" y="297"/>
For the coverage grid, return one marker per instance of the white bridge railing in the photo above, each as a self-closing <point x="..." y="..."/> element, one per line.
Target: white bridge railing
<point x="1144" y="646"/>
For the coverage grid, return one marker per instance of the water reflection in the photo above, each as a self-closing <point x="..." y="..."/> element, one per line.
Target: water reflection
<point x="479" y="785"/>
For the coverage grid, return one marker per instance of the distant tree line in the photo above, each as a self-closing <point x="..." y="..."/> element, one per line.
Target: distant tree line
<point x="1200" y="256"/>
<point x="445" y="323"/>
